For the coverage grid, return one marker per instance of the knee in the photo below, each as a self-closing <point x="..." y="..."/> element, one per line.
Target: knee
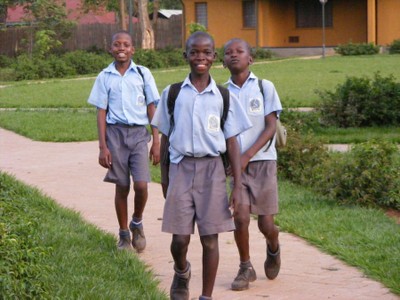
<point x="140" y="187"/>
<point x="267" y="227"/>
<point x="209" y="242"/>
<point x="179" y="243"/>
<point x="122" y="191"/>
<point x="242" y="220"/>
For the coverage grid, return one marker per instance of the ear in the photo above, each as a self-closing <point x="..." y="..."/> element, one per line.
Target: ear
<point x="251" y="60"/>
<point x="223" y="64"/>
<point x="184" y="54"/>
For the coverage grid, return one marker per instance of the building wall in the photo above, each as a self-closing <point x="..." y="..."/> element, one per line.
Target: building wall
<point x="388" y="25"/>
<point x="224" y="20"/>
<point x="279" y="24"/>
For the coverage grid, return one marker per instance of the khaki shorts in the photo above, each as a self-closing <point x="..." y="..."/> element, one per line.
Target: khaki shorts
<point x="197" y="193"/>
<point x="129" y="154"/>
<point x="260" y="187"/>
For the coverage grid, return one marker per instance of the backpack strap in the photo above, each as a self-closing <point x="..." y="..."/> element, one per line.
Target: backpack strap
<point x="173" y="92"/>
<point x="225" y="96"/>
<point x="260" y="85"/>
<point x="144" y="82"/>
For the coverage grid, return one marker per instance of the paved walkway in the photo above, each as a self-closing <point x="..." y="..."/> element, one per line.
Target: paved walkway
<point x="69" y="173"/>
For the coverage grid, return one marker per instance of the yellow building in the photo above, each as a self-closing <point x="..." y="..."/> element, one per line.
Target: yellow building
<point x="296" y="23"/>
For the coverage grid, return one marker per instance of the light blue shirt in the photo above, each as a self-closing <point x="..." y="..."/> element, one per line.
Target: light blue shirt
<point x="123" y="95"/>
<point x="257" y="108"/>
<point x="197" y="116"/>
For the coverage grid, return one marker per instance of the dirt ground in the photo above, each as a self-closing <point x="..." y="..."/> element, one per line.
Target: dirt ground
<point x="69" y="173"/>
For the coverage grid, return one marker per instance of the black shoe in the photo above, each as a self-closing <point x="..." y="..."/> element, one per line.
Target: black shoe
<point x="272" y="264"/>
<point x="180" y="285"/>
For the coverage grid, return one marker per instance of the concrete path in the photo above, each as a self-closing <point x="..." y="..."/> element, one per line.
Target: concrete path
<point x="69" y="173"/>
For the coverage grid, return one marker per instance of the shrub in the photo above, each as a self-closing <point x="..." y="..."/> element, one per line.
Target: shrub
<point x="394" y="47"/>
<point x="369" y="175"/>
<point x="357" y="49"/>
<point x="86" y="63"/>
<point x="261" y="53"/>
<point x="362" y="102"/>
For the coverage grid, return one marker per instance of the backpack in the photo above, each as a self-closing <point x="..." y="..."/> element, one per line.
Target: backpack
<point x="173" y="92"/>
<point x="281" y="133"/>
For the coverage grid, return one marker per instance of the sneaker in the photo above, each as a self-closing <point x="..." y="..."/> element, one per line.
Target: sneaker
<point x="124" y="242"/>
<point x="272" y="264"/>
<point x="138" y="238"/>
<point x="180" y="286"/>
<point x="243" y="278"/>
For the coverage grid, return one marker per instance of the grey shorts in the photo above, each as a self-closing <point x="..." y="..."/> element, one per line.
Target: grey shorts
<point x="260" y="187"/>
<point x="129" y="154"/>
<point x="197" y="193"/>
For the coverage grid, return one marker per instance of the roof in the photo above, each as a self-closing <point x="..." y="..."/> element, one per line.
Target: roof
<point x="167" y="13"/>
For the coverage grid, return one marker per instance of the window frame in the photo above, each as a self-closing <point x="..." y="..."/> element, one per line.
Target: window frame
<point x="308" y="14"/>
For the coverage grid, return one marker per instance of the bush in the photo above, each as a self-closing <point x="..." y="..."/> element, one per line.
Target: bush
<point x="362" y="102"/>
<point x="369" y="175"/>
<point x="357" y="49"/>
<point x="394" y="47"/>
<point x="83" y="62"/>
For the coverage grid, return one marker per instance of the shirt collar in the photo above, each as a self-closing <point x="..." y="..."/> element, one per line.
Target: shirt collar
<point x="111" y="67"/>
<point x="212" y="87"/>
<point x="252" y="76"/>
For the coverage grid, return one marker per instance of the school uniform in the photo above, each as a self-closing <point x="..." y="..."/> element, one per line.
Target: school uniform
<point x="197" y="190"/>
<point x="126" y="97"/>
<point x="259" y="180"/>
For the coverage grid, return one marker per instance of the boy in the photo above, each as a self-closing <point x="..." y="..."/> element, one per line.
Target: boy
<point x="258" y="162"/>
<point x="124" y="95"/>
<point x="196" y="190"/>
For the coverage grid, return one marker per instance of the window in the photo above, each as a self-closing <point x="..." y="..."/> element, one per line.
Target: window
<point x="201" y="14"/>
<point x="309" y="14"/>
<point x="249" y="14"/>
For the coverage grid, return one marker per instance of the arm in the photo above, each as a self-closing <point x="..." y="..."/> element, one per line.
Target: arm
<point x="234" y="159"/>
<point x="155" y="147"/>
<point x="104" y="155"/>
<point x="264" y="137"/>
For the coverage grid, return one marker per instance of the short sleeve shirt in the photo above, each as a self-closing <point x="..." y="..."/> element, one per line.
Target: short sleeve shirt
<point x="257" y="107"/>
<point x="124" y="95"/>
<point x="197" y="117"/>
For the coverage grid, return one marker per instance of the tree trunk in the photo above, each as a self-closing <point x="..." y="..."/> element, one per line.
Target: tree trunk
<point x="145" y="25"/>
<point x="156" y="8"/>
<point x="122" y="15"/>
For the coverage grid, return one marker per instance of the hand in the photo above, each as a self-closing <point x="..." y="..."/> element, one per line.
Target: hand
<point x="105" y="158"/>
<point x="235" y="198"/>
<point x="155" y="154"/>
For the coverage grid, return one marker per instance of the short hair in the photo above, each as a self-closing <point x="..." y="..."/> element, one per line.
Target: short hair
<point x="120" y="32"/>
<point x="239" y="40"/>
<point x="199" y="34"/>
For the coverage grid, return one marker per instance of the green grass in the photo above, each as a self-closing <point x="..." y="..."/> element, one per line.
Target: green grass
<point x="295" y="79"/>
<point x="362" y="237"/>
<point x="77" y="260"/>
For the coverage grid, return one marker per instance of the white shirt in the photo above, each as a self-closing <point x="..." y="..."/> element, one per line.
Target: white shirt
<point x="197" y="116"/>
<point x="257" y="108"/>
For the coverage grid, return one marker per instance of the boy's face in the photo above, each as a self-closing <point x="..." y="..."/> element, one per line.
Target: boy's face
<point x="122" y="48"/>
<point x="200" y="54"/>
<point x="237" y="56"/>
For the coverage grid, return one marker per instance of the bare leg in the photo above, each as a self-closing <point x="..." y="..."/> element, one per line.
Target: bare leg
<point x="210" y="262"/>
<point x="242" y="222"/>
<point x="140" y="199"/>
<point x="121" y="205"/>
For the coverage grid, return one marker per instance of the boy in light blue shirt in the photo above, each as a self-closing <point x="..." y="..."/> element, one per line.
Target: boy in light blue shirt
<point x="125" y="95"/>
<point x="197" y="182"/>
<point x="258" y="162"/>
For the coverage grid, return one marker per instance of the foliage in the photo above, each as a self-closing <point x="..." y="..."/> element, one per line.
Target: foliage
<point x="261" y="53"/>
<point x="357" y="49"/>
<point x="83" y="62"/>
<point x="361" y="102"/>
<point x="394" y="47"/>
<point x="45" y="42"/>
<point x="369" y="176"/>
<point x="23" y="268"/>
<point x="193" y="27"/>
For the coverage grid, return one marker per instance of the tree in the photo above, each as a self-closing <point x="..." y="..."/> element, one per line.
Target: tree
<point x="145" y="25"/>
